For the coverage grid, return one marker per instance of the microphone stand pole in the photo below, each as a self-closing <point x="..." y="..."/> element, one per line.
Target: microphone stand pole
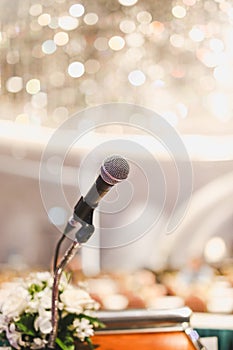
<point x="82" y="235"/>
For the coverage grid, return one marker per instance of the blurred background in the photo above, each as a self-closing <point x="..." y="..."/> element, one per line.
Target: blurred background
<point x="173" y="57"/>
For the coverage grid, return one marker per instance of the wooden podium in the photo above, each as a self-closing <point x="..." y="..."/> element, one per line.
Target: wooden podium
<point x="147" y="329"/>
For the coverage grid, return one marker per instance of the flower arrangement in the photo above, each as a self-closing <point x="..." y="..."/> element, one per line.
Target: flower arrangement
<point x="25" y="313"/>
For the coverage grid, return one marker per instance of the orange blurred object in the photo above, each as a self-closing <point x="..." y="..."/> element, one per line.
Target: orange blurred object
<point x="147" y="329"/>
<point x="143" y="341"/>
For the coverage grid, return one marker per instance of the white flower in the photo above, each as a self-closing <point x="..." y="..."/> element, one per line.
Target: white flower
<point x="3" y="323"/>
<point x="15" y="303"/>
<point x="13" y="337"/>
<point x="34" y="296"/>
<point x="43" y="322"/>
<point x="38" y="343"/>
<point x="45" y="297"/>
<point x="6" y="290"/>
<point x="4" y="293"/>
<point x="40" y="278"/>
<point x="63" y="284"/>
<point x="75" y="300"/>
<point x="43" y="276"/>
<point x="83" y="328"/>
<point x="33" y="306"/>
<point x="42" y="299"/>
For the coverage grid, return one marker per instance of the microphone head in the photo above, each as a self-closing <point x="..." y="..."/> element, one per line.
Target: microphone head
<point x="114" y="169"/>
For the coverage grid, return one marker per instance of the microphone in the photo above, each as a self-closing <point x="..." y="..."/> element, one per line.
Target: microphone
<point x="114" y="169"/>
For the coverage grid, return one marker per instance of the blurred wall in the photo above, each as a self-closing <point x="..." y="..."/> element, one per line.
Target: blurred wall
<point x="28" y="237"/>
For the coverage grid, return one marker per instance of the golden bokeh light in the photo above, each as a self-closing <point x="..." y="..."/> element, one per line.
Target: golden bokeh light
<point x="122" y="50"/>
<point x="33" y="86"/>
<point x="116" y="43"/>
<point x="44" y="19"/>
<point x="178" y="11"/>
<point x="61" y="38"/>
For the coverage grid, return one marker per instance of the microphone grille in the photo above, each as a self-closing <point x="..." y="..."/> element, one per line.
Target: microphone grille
<point x="114" y="169"/>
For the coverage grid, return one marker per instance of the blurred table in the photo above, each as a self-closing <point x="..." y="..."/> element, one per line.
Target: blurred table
<point x="140" y="329"/>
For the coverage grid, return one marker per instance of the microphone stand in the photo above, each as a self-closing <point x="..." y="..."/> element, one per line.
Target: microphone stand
<point x="57" y="250"/>
<point x="114" y="170"/>
<point x="82" y="235"/>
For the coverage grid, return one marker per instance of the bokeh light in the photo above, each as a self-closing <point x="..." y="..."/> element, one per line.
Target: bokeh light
<point x="49" y="47"/>
<point x="35" y="10"/>
<point x="77" y="10"/>
<point x="137" y="78"/>
<point x="181" y="51"/>
<point x="91" y="18"/>
<point x="57" y="215"/>
<point x="13" y="57"/>
<point x="44" y="19"/>
<point x="215" y="250"/>
<point x="33" y="86"/>
<point x="14" y="84"/>
<point x="68" y="23"/>
<point x="128" y="2"/>
<point x="177" y="40"/>
<point x="76" y="69"/>
<point x="178" y="11"/>
<point x="61" y="38"/>
<point x="116" y="43"/>
<point x="127" y="26"/>
<point x="157" y="28"/>
<point x="196" y="34"/>
<point x="144" y="17"/>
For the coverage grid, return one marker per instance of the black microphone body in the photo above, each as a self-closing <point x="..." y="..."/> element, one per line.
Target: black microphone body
<point x="97" y="191"/>
<point x="114" y="170"/>
<point x="84" y="208"/>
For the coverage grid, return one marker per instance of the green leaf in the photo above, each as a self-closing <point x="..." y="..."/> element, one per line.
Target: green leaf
<point x="22" y="328"/>
<point x="89" y="342"/>
<point x="26" y="324"/>
<point x="68" y="320"/>
<point x="64" y="346"/>
<point x="34" y="288"/>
